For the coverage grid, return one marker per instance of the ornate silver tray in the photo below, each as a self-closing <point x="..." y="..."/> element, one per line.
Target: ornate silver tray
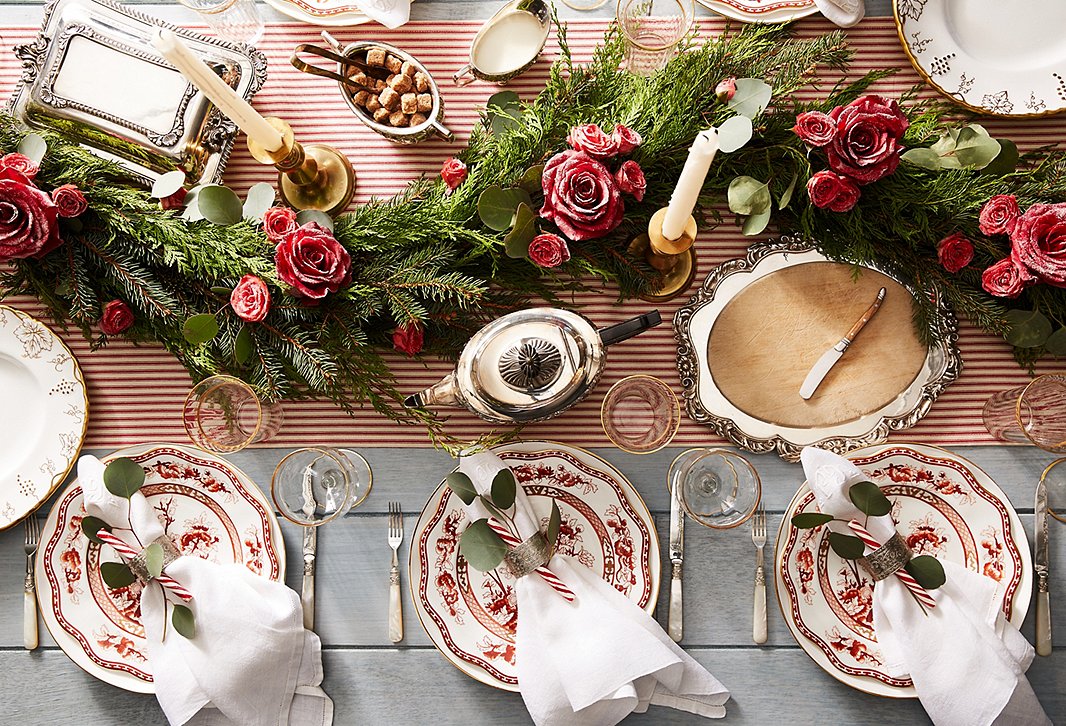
<point x="93" y="75"/>
<point x="710" y="401"/>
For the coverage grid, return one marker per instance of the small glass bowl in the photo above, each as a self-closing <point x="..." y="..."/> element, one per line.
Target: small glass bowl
<point x="717" y="488"/>
<point x="640" y="414"/>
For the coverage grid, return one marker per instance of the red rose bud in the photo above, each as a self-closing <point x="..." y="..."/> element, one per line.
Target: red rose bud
<point x="175" y="200"/>
<point x="831" y="191"/>
<point x="630" y="178"/>
<point x="250" y="300"/>
<point x="69" y="200"/>
<point x="453" y="173"/>
<point x="866" y="145"/>
<point x="625" y="139"/>
<point x="1006" y="279"/>
<point x="279" y="222"/>
<point x="591" y="139"/>
<point x="22" y="164"/>
<point x="1038" y="243"/>
<point x="999" y="214"/>
<point x="954" y="252"/>
<point x="548" y="250"/>
<point x="580" y="196"/>
<point x="408" y="339"/>
<point x="312" y="262"/>
<point x="814" y="128"/>
<point x="726" y="89"/>
<point x="117" y="318"/>
<point x="28" y="218"/>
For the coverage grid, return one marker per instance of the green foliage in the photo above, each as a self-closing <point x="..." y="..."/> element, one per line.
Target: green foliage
<point x="810" y="520"/>
<point x="153" y="559"/>
<point x="869" y="499"/>
<point x="462" y="487"/>
<point x="927" y="570"/>
<point x="504" y="489"/>
<point x="123" y="477"/>
<point x="183" y="621"/>
<point x="91" y="527"/>
<point x="117" y="575"/>
<point x="555" y="520"/>
<point x="482" y="547"/>
<point x="846" y="546"/>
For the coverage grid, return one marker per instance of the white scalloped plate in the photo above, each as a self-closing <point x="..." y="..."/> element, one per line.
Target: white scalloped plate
<point x="762" y="11"/>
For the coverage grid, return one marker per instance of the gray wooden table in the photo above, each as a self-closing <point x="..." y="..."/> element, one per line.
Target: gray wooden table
<point x="372" y="681"/>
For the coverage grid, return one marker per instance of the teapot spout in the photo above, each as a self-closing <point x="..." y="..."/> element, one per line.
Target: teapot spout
<point x="445" y="392"/>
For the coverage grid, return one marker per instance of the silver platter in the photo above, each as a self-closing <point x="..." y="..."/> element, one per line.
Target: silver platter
<point x="93" y="75"/>
<point x="707" y="405"/>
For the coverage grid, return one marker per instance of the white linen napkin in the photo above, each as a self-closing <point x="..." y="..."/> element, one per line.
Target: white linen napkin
<point x="598" y="659"/>
<point x="251" y="662"/>
<point x="844" y="13"/>
<point x="965" y="659"/>
<point x="390" y="13"/>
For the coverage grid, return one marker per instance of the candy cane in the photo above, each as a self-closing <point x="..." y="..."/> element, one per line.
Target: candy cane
<point x="917" y="590"/>
<point x="547" y="575"/>
<point x="129" y="553"/>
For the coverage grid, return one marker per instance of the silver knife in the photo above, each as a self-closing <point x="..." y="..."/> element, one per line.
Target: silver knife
<point x="307" y="591"/>
<point x="677" y="556"/>
<point x="830" y="357"/>
<point x="1040" y="566"/>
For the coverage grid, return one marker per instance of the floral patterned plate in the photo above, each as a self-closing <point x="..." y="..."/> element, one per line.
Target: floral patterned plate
<point x="471" y="616"/>
<point x="41" y="381"/>
<point x="761" y="11"/>
<point x="944" y="506"/>
<point x="322" y="12"/>
<point x="996" y="57"/>
<point x="209" y="509"/>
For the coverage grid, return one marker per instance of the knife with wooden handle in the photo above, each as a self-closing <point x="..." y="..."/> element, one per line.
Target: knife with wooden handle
<point x="829" y="359"/>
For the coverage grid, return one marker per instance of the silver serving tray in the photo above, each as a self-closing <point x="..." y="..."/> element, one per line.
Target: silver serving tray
<point x="93" y="75"/>
<point x="705" y="404"/>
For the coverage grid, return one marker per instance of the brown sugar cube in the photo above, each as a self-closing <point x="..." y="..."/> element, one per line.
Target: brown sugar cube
<point x="393" y="63"/>
<point x="375" y="57"/>
<point x="408" y="69"/>
<point x="361" y="98"/>
<point x="359" y="78"/>
<point x="401" y="83"/>
<point x="409" y="103"/>
<point x="373" y="104"/>
<point x="421" y="82"/>
<point x="381" y="115"/>
<point x="389" y="99"/>
<point x="425" y="102"/>
<point x="418" y="119"/>
<point x="380" y="85"/>
<point x="398" y="118"/>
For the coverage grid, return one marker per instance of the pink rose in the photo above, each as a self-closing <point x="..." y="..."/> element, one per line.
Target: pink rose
<point x="625" y="139"/>
<point x="815" y="128"/>
<point x="175" y="200"/>
<point x="866" y="145"/>
<point x="278" y="222"/>
<point x="1006" y="279"/>
<point x="580" y="196"/>
<point x="630" y="178"/>
<point x="453" y="173"/>
<point x="117" y="318"/>
<point x="312" y="262"/>
<point x="726" y="89"/>
<point x="70" y="202"/>
<point x="999" y="214"/>
<point x="408" y="339"/>
<point x="22" y="164"/>
<point x="250" y="300"/>
<point x="28" y="218"/>
<point x="954" y="252"/>
<point x="1038" y="242"/>
<point x="829" y="190"/>
<point x="548" y="250"/>
<point x="591" y="139"/>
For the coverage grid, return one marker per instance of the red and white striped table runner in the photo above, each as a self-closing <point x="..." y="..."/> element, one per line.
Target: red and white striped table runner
<point x="136" y="393"/>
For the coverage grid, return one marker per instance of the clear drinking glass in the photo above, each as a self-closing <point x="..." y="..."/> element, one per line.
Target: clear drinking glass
<point x="313" y="486"/>
<point x="235" y="20"/>
<point x="717" y="488"/>
<point x="1035" y="413"/>
<point x="584" y="5"/>
<point x="223" y="414"/>
<point x="640" y="414"/>
<point x="652" y="29"/>
<point x="1054" y="479"/>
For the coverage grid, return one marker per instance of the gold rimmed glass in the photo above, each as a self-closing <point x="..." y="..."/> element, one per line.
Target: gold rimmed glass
<point x="717" y="488"/>
<point x="1054" y="479"/>
<point x="224" y="414"/>
<point x="1034" y="413"/>
<point x="584" y="5"/>
<point x="652" y="30"/>
<point x="235" y="20"/>
<point x="640" y="414"/>
<point x="317" y="485"/>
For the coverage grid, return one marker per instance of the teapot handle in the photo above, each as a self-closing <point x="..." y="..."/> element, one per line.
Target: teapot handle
<point x="628" y="328"/>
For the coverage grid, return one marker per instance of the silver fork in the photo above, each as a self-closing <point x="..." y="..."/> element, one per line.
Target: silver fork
<point x="29" y="612"/>
<point x="395" y="608"/>
<point x="758" y="538"/>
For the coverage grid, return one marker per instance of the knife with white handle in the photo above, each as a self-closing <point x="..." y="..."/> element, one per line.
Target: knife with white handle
<point x="310" y="548"/>
<point x="677" y="555"/>
<point x="1040" y="567"/>
<point x="830" y="357"/>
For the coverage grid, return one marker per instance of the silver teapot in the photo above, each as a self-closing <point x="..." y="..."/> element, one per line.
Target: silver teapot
<point x="530" y="365"/>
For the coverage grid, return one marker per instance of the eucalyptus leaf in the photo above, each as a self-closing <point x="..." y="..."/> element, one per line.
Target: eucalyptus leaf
<point x="504" y="489"/>
<point x="503" y="99"/>
<point x="1028" y="328"/>
<point x="924" y="158"/>
<point x="1006" y="161"/>
<point x="260" y="198"/>
<point x="810" y="520"/>
<point x="243" y="345"/>
<point x="927" y="570"/>
<point x="33" y="147"/>
<point x="945" y="149"/>
<point x="516" y="243"/>
<point x="184" y="621"/>
<point x="734" y="133"/>
<point x="1056" y="343"/>
<point x="91" y="526"/>
<point x="492" y="508"/>
<point x="482" y="547"/>
<point x="846" y="546"/>
<point x="461" y="486"/>
<point x="752" y="97"/>
<point x="555" y="520"/>
<point x="219" y="205"/>
<point x="974" y="148"/>
<point x="199" y="329"/>
<point x="497" y="206"/>
<point x="322" y="219"/>
<point x="168" y="184"/>
<point x="756" y="223"/>
<point x="531" y="179"/>
<point x="224" y="291"/>
<point x="153" y="559"/>
<point x="123" y="477"/>
<point x="869" y="499"/>
<point x="786" y="196"/>
<point x="748" y="195"/>
<point x="117" y="575"/>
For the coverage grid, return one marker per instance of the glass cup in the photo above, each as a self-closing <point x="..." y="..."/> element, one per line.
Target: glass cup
<point x="1054" y="479"/>
<point x="235" y="20"/>
<point x="1035" y="413"/>
<point x="640" y="414"/>
<point x="313" y="486"/>
<point x="223" y="414"/>
<point x="584" y="5"/>
<point x="652" y="29"/>
<point x="717" y="488"/>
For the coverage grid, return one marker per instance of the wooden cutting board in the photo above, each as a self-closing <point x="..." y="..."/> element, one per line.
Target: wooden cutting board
<point x="770" y="334"/>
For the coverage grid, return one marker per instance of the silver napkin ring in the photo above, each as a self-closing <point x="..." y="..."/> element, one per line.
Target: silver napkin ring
<point x="888" y="559"/>
<point x="139" y="567"/>
<point x="526" y="557"/>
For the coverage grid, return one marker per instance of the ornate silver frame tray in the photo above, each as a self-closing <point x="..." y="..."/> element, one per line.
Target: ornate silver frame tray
<point x="92" y="74"/>
<point x="706" y="404"/>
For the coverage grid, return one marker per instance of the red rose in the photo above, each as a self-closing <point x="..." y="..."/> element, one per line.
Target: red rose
<point x="175" y="200"/>
<point x="28" y="218"/>
<point x="954" y="252"/>
<point x="409" y="339"/>
<point x="453" y="173"/>
<point x="548" y="250"/>
<point x="250" y="299"/>
<point x="1006" y="279"/>
<point x="726" y="89"/>
<point x="591" y="139"/>
<point x="625" y="139"/>
<point x="829" y="190"/>
<point x="866" y="146"/>
<point x="22" y="164"/>
<point x="630" y="178"/>
<point x="999" y="214"/>
<point x="70" y="202"/>
<point x="117" y="318"/>
<point x="580" y="196"/>
<point x="279" y="222"/>
<point x="815" y="128"/>
<point x="1038" y="242"/>
<point x="312" y="261"/>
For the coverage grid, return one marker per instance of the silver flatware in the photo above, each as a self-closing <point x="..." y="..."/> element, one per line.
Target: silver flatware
<point x="29" y="625"/>
<point x="830" y="357"/>
<point x="675" y="621"/>
<point x="1040" y="566"/>
<point x="395" y="605"/>
<point x="310" y="549"/>
<point x="758" y="538"/>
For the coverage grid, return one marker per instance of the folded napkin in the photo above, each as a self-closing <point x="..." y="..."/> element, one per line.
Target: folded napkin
<point x="599" y="658"/>
<point x="965" y="659"/>
<point x="390" y="13"/>
<point x="844" y="13"/>
<point x="251" y="661"/>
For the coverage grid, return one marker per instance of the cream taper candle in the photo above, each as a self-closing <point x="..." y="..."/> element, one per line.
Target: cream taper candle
<point x="689" y="184"/>
<point x="226" y="100"/>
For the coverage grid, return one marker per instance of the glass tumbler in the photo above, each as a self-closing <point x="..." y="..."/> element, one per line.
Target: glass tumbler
<point x="640" y="414"/>
<point x="652" y="29"/>
<point x="1035" y="413"/>
<point x="1054" y="479"/>
<point x="235" y="20"/>
<point x="316" y="485"/>
<point x="223" y="414"/>
<point x="717" y="488"/>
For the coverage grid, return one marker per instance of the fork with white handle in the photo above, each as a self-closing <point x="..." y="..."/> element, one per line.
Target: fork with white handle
<point x="758" y="538"/>
<point x="29" y="626"/>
